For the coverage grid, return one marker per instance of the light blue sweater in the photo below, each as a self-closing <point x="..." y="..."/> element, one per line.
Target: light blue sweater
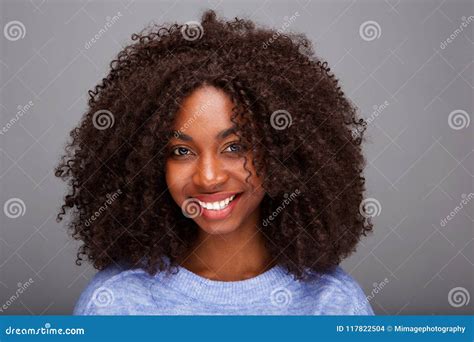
<point x="119" y="291"/>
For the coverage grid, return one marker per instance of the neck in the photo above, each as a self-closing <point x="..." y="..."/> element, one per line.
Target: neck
<point x="235" y="256"/>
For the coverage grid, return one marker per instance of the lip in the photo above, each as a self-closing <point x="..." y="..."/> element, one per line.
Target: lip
<point x="215" y="197"/>
<point x="221" y="214"/>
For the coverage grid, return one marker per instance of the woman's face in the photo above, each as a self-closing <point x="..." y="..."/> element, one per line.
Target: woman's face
<point x="205" y="165"/>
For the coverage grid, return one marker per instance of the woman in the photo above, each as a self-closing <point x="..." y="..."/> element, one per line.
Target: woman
<point x="218" y="170"/>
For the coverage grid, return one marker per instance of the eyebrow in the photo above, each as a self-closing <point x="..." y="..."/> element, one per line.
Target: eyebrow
<point x="221" y="135"/>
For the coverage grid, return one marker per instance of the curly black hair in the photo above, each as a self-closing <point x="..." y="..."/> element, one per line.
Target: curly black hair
<point x="119" y="164"/>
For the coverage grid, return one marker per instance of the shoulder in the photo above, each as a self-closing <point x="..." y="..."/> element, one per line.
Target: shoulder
<point x="111" y="290"/>
<point x="338" y="293"/>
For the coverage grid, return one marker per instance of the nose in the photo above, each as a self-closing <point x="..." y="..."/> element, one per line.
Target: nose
<point x="210" y="174"/>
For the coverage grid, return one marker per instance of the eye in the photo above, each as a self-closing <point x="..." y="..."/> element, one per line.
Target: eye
<point x="180" y="151"/>
<point x="234" y="147"/>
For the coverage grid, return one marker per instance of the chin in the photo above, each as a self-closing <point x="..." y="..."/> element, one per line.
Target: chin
<point x="217" y="228"/>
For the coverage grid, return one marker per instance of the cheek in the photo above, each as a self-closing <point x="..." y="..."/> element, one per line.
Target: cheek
<point x="169" y="175"/>
<point x="258" y="194"/>
<point x="256" y="191"/>
<point x="175" y="180"/>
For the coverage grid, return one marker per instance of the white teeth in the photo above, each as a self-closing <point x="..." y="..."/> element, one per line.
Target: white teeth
<point x="217" y="205"/>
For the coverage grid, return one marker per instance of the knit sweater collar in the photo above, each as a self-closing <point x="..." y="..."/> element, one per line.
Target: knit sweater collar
<point x="226" y="292"/>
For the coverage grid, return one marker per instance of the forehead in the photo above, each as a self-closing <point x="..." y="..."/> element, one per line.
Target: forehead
<point x="206" y="108"/>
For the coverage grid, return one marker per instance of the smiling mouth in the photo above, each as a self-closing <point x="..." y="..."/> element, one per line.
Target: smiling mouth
<point x="218" y="205"/>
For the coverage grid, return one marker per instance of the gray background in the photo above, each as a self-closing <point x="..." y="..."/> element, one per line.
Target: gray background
<point x="418" y="165"/>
